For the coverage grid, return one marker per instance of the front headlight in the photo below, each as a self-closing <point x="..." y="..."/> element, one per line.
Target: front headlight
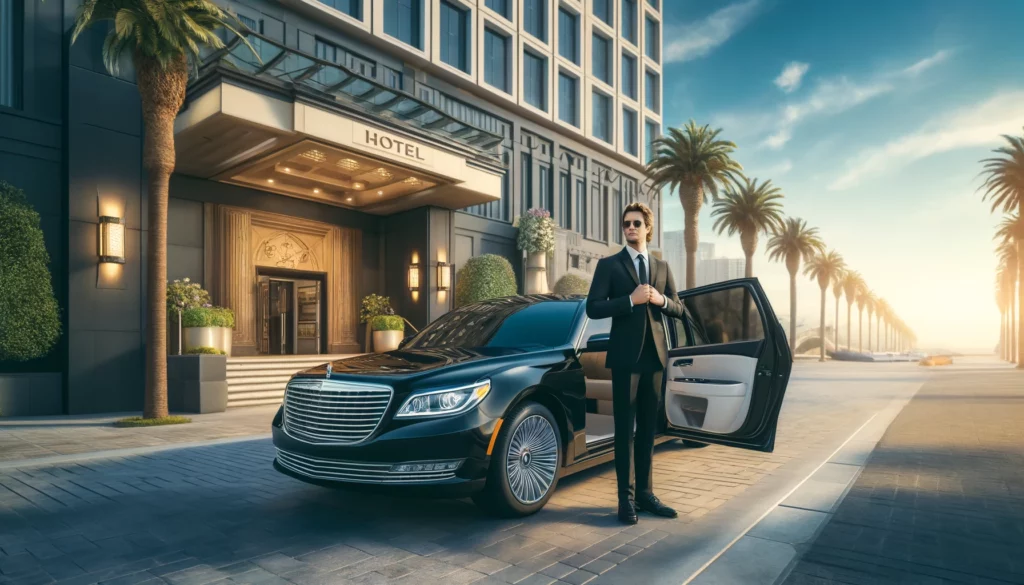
<point x="444" y="402"/>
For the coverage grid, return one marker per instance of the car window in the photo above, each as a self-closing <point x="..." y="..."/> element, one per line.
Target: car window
<point x="512" y="323"/>
<point x="723" y="316"/>
<point x="597" y="327"/>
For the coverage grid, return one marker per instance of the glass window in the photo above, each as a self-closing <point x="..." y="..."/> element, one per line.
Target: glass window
<point x="535" y="75"/>
<point x="603" y="10"/>
<point x="602" y="116"/>
<point x="651" y="131"/>
<point x="722" y="316"/>
<point x="568" y="99"/>
<point x="629" y="133"/>
<point x="629" y="20"/>
<point x="651" y="39"/>
<point x="502" y="7"/>
<point x="597" y="327"/>
<point x="544" y="188"/>
<point x="353" y="8"/>
<point x="526" y="181"/>
<point x="602" y="58"/>
<point x="569" y="35"/>
<point x="564" y="216"/>
<point x="651" y="87"/>
<point x="403" y="20"/>
<point x="654" y="4"/>
<point x="10" y="53"/>
<point x="501" y="324"/>
<point x="629" y="75"/>
<point x="455" y="36"/>
<point x="617" y="207"/>
<point x="581" y="205"/>
<point x="496" y="60"/>
<point x="535" y="19"/>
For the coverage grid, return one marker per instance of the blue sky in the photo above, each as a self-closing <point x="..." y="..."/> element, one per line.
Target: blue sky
<point x="871" y="115"/>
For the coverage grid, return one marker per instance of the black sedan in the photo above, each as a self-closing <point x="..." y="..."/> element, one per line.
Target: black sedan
<point x="499" y="399"/>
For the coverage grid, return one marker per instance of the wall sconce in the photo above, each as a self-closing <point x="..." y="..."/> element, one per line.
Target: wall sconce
<point x="111" y="239"/>
<point x="444" y="276"/>
<point x="414" y="277"/>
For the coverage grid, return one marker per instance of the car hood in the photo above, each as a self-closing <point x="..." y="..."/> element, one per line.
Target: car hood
<point x="411" y="361"/>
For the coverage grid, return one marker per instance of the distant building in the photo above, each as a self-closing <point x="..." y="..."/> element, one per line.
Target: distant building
<point x="674" y="252"/>
<point x="715" y="270"/>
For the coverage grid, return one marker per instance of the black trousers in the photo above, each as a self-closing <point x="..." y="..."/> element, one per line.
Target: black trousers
<point x="636" y="396"/>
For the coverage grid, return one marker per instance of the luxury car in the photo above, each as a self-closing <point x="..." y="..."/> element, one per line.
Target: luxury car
<point x="499" y="399"/>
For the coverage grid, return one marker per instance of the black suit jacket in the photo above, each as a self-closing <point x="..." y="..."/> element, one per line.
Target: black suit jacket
<point x="615" y="278"/>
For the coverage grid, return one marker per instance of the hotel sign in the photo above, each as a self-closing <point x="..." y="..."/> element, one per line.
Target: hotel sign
<point x="397" y="146"/>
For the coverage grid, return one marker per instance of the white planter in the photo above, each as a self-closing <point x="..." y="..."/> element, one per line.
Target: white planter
<point x="216" y="337"/>
<point x="537" y="273"/>
<point x="384" y="341"/>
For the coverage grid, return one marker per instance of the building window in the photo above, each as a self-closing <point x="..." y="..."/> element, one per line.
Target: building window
<point x="564" y="215"/>
<point x="10" y="53"/>
<point x="455" y="36"/>
<point x="602" y="106"/>
<point x="498" y="209"/>
<point x="629" y="131"/>
<point x="568" y="99"/>
<point x="651" y="131"/>
<point x="353" y="8"/>
<point x="603" y="10"/>
<point x="653" y="4"/>
<point x="535" y="19"/>
<point x="526" y="181"/>
<point x="569" y="35"/>
<point x="617" y="207"/>
<point x="651" y="86"/>
<point x="581" y="206"/>
<point x="544" y="188"/>
<point x="651" y="39"/>
<point x="403" y="20"/>
<point x="535" y="76"/>
<point x="502" y="7"/>
<point x="596" y="227"/>
<point x="496" y="60"/>
<point x="629" y="75"/>
<point x="602" y="58"/>
<point x="629" y="20"/>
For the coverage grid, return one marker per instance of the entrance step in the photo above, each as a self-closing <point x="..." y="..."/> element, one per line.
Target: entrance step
<point x="254" y="381"/>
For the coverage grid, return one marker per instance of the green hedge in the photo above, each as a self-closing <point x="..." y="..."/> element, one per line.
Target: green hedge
<point x="572" y="284"/>
<point x="29" y="316"/>
<point x="484" y="277"/>
<point x="387" y="323"/>
<point x="208" y="317"/>
<point x="205" y="350"/>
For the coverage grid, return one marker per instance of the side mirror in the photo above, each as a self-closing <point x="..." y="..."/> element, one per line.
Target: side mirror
<point x="597" y="342"/>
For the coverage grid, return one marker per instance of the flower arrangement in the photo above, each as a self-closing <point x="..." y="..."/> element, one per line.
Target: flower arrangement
<point x="374" y="305"/>
<point x="536" y="232"/>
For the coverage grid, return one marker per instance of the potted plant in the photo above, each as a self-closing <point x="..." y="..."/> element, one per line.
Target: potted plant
<point x="388" y="331"/>
<point x="572" y="284"/>
<point x="373" y="305"/>
<point x="537" y="238"/>
<point x="182" y="294"/>
<point x="484" y="277"/>
<point x="207" y="326"/>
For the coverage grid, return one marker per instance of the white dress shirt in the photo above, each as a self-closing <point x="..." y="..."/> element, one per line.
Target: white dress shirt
<point x="634" y="254"/>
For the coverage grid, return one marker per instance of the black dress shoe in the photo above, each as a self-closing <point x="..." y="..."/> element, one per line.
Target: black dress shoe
<point x="653" y="505"/>
<point x="627" y="512"/>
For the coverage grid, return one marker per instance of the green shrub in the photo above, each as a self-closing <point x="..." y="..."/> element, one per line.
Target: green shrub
<point x="387" y="323"/>
<point x="484" y="277"/>
<point x="374" y="305"/>
<point x="138" y="421"/>
<point x="205" y="350"/>
<point x="572" y="284"/>
<point x="185" y="294"/>
<point x="208" y="317"/>
<point x="29" y="316"/>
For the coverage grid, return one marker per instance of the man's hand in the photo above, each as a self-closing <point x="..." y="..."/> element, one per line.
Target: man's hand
<point x="641" y="295"/>
<point x="657" y="299"/>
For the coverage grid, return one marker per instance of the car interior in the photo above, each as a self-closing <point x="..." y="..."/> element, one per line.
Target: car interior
<point x="600" y="422"/>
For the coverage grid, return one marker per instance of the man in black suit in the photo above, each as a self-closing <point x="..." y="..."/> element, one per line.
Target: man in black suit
<point x="635" y="290"/>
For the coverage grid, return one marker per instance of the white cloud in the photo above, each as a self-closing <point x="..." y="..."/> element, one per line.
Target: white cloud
<point x="695" y="40"/>
<point x="970" y="126"/>
<point x="928" y="62"/>
<point x="791" y="76"/>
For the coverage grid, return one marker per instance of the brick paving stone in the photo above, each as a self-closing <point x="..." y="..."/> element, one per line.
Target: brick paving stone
<point x="579" y="577"/>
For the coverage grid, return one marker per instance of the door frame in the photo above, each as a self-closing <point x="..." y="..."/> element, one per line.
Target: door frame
<point x="296" y="276"/>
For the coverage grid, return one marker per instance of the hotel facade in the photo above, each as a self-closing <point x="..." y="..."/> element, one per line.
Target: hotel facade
<point x="373" y="145"/>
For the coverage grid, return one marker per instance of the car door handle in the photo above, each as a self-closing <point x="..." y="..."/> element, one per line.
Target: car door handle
<point x="682" y="363"/>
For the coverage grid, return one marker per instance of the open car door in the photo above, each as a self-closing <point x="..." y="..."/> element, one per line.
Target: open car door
<point x="728" y="367"/>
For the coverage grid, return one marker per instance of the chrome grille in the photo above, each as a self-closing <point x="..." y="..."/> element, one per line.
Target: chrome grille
<point x="354" y="471"/>
<point x="336" y="413"/>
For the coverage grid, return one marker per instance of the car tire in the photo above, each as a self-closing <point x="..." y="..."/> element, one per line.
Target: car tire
<point x="525" y="440"/>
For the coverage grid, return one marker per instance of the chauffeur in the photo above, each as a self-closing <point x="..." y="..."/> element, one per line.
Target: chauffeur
<point x="635" y="290"/>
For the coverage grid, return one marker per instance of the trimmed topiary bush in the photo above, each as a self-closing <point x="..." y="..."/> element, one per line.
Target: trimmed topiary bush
<point x="572" y="284"/>
<point x="29" y="316"/>
<point x="208" y="317"/>
<point x="387" y="323"/>
<point x="484" y="277"/>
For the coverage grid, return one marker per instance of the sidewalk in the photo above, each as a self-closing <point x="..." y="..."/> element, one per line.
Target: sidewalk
<point x="941" y="499"/>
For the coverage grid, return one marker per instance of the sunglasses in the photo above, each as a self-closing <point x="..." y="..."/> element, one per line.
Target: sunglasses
<point x="636" y="223"/>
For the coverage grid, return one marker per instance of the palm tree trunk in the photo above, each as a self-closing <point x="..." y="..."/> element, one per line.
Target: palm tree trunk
<point x="860" y="331"/>
<point x="870" y="319"/>
<point x="792" y="312"/>
<point x="849" y="336"/>
<point x="691" y="198"/>
<point x="1020" y="292"/>
<point x="821" y="328"/>
<point x="749" y="272"/>
<point x="1014" y="315"/>
<point x="162" y="91"/>
<point x="835" y="341"/>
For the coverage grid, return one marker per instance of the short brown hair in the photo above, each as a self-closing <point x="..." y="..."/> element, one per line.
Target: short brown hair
<point x="648" y="217"/>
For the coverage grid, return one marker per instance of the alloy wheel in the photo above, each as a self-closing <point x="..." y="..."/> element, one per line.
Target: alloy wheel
<point x="532" y="459"/>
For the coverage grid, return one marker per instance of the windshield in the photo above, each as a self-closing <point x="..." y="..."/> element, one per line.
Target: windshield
<point x="513" y="324"/>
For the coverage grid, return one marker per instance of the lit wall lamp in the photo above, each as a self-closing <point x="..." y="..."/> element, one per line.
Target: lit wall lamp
<point x="414" y="277"/>
<point x="111" y="239"/>
<point x="444" y="276"/>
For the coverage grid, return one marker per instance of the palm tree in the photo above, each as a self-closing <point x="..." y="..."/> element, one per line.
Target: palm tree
<point x="163" y="40"/>
<point x="837" y="290"/>
<point x="749" y="209"/>
<point x="826" y="268"/>
<point x="695" y="162"/>
<point x="884" y="314"/>
<point x="862" y="302"/>
<point x="1008" y="235"/>
<point x="791" y="243"/>
<point x="871" y="302"/>
<point x="1004" y="186"/>
<point x="1004" y="299"/>
<point x="852" y="282"/>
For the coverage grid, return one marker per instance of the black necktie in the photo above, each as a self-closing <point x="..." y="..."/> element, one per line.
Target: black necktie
<point x="643" y="270"/>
